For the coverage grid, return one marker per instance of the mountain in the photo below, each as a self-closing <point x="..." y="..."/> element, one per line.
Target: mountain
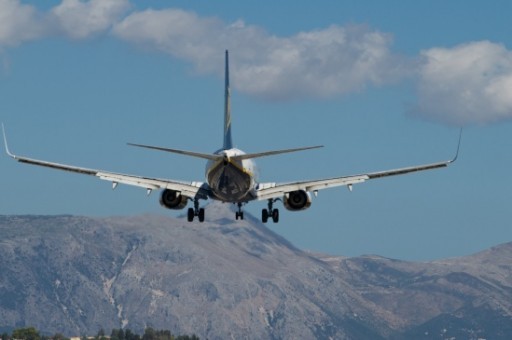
<point x="236" y="279"/>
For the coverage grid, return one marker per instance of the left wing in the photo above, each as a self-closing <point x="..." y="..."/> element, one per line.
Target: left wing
<point x="189" y="189"/>
<point x="275" y="190"/>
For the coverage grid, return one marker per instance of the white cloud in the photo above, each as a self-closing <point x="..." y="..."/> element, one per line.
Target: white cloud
<point x="18" y="23"/>
<point x="466" y="84"/>
<point x="331" y="61"/>
<point x="72" y="18"/>
<point x="78" y="19"/>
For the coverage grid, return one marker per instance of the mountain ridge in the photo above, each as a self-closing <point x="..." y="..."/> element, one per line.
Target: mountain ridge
<point x="237" y="279"/>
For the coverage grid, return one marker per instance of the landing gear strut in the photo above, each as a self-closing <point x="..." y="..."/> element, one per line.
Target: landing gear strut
<point x="270" y="212"/>
<point x="239" y="213"/>
<point x="195" y="211"/>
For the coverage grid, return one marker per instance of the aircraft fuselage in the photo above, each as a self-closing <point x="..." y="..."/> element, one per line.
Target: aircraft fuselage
<point x="231" y="180"/>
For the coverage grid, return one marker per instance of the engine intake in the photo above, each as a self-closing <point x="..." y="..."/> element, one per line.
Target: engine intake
<point x="172" y="199"/>
<point x="297" y="200"/>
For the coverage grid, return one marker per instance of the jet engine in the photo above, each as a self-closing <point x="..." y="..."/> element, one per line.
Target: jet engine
<point x="297" y="200"/>
<point x="172" y="199"/>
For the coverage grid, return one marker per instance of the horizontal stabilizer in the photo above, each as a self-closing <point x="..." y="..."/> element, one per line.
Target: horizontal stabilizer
<point x="275" y="152"/>
<point x="181" y="152"/>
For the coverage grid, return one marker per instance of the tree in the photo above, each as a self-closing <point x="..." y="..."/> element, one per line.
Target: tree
<point x="129" y="335"/>
<point x="149" y="334"/>
<point x="59" y="336"/>
<point x="101" y="335"/>
<point x="29" y="333"/>
<point x="117" y="334"/>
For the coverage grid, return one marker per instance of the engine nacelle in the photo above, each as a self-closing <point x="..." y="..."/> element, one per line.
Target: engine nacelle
<point x="297" y="200"/>
<point x="172" y="199"/>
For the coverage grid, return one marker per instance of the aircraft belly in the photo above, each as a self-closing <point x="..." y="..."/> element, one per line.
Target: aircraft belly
<point x="229" y="183"/>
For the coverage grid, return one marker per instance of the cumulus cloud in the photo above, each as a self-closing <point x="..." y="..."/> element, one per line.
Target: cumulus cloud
<point x="78" y="19"/>
<point x="326" y="62"/>
<point x="19" y="23"/>
<point x="466" y="84"/>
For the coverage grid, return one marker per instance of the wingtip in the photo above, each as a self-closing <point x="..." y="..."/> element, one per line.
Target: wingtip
<point x="5" y="143"/>
<point x="458" y="147"/>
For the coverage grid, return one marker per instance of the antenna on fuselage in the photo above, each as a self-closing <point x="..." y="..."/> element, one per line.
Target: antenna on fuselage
<point x="228" y="144"/>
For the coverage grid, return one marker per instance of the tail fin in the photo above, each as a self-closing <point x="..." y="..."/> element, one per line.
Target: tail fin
<point x="228" y="144"/>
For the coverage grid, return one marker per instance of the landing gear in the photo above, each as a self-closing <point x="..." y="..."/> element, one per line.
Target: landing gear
<point x="239" y="214"/>
<point x="196" y="211"/>
<point x="270" y="212"/>
<point x="264" y="215"/>
<point x="191" y="214"/>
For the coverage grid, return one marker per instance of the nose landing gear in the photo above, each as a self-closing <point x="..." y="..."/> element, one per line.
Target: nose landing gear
<point x="239" y="214"/>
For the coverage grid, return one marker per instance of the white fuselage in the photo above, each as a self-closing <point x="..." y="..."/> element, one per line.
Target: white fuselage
<point x="231" y="179"/>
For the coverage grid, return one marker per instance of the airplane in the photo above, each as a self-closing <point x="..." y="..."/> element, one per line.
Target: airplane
<point x="230" y="176"/>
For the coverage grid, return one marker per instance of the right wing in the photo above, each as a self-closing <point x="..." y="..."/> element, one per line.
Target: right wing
<point x="189" y="189"/>
<point x="277" y="190"/>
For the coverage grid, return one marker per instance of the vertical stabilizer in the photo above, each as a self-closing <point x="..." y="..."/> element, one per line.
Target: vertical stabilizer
<point x="228" y="144"/>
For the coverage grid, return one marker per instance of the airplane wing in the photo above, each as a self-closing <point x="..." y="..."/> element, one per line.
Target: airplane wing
<point x="266" y="191"/>
<point x="189" y="189"/>
<point x="277" y="190"/>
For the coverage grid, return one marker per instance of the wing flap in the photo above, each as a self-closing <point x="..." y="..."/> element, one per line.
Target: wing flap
<point x="189" y="189"/>
<point x="272" y="190"/>
<point x="276" y="190"/>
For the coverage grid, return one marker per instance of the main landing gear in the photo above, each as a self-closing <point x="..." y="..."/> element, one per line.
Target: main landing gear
<point x="239" y="214"/>
<point x="270" y="212"/>
<point x="195" y="211"/>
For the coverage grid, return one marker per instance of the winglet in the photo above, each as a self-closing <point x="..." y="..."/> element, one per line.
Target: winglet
<point x="458" y="147"/>
<point x="5" y="143"/>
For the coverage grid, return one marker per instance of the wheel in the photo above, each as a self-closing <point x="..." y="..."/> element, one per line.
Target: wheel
<point x="201" y="215"/>
<point x="275" y="215"/>
<point x="190" y="215"/>
<point x="264" y="215"/>
<point x="237" y="215"/>
<point x="241" y="215"/>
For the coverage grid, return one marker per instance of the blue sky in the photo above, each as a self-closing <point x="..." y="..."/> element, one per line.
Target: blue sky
<point x="382" y="84"/>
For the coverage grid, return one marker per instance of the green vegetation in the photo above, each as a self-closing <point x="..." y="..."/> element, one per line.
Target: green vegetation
<point x="30" y="333"/>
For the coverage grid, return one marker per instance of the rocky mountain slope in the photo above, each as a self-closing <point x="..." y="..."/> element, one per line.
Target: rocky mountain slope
<point x="236" y="279"/>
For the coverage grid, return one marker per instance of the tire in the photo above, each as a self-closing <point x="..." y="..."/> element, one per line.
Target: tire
<point x="275" y="215"/>
<point x="264" y="215"/>
<point x="201" y="215"/>
<point x="190" y="215"/>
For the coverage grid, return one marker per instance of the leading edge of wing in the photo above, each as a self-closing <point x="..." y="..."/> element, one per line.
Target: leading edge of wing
<point x="401" y="171"/>
<point x="189" y="189"/>
<point x="275" y="190"/>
